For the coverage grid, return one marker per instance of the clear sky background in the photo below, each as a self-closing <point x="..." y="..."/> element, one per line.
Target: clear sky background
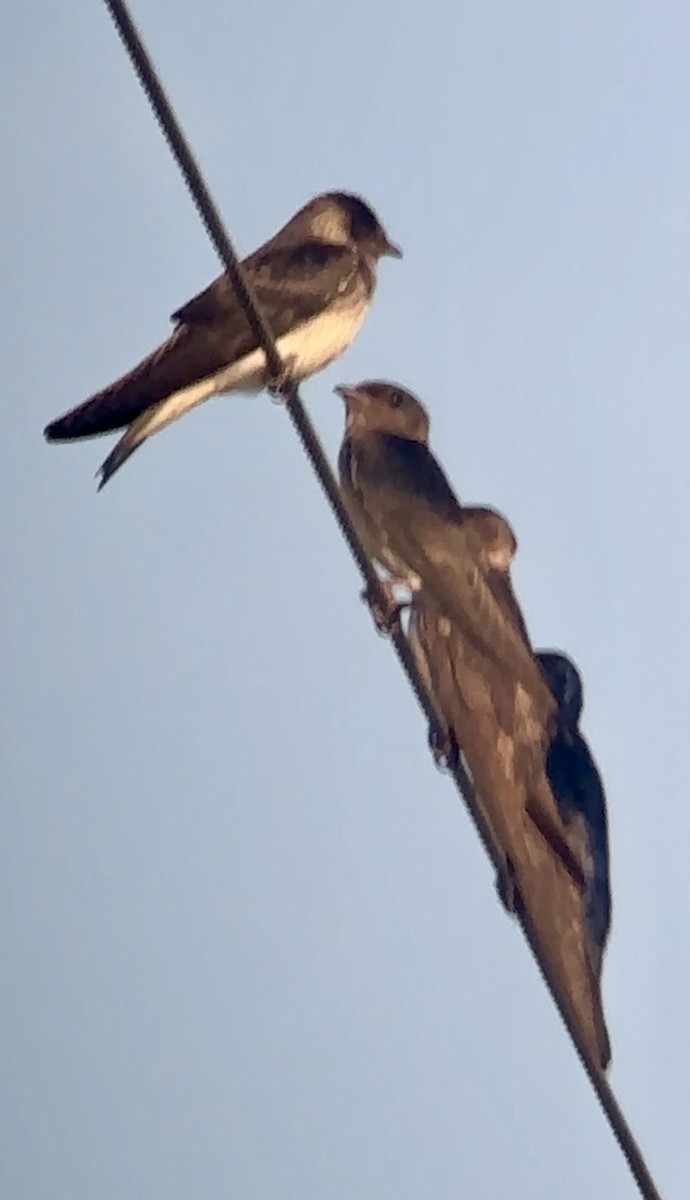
<point x="251" y="944"/>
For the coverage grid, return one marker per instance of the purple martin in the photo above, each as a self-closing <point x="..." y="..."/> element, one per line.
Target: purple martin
<point x="412" y="524"/>
<point x="579" y="793"/>
<point x="314" y="279"/>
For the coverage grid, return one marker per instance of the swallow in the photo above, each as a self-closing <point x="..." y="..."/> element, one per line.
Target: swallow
<point x="411" y="523"/>
<point x="315" y="281"/>
<point x="579" y="793"/>
<point x="478" y="712"/>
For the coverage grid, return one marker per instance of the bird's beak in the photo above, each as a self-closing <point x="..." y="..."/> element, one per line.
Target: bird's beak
<point x="392" y="250"/>
<point x="346" y="391"/>
<point x="356" y="397"/>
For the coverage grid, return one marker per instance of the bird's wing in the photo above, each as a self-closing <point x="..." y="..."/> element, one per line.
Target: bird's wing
<point x="189" y="355"/>
<point x="293" y="285"/>
<point x="424" y="525"/>
<point x="502" y="591"/>
<point x="444" y="559"/>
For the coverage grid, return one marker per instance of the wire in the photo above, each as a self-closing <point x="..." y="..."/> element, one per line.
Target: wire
<point x="289" y="392"/>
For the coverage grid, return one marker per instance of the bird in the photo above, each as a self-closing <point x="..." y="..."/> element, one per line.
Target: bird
<point x="314" y="280"/>
<point x="411" y="523"/>
<point x="579" y="793"/>
<point x="563" y="895"/>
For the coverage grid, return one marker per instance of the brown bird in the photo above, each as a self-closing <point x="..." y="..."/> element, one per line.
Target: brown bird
<point x="537" y="799"/>
<point x="411" y="522"/>
<point x="314" y="279"/>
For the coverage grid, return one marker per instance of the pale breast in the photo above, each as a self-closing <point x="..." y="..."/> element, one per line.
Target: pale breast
<point x="320" y="341"/>
<point x="306" y="349"/>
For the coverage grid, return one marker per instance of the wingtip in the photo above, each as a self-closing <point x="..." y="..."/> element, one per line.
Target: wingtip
<point x="63" y="429"/>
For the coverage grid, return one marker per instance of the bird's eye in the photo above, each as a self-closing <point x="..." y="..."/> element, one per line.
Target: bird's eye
<point x="397" y="400"/>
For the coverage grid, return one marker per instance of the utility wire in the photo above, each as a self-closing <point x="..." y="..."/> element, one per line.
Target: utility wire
<point x="289" y="393"/>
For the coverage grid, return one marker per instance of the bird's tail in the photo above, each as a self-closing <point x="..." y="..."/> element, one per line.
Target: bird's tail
<point x="124" y="400"/>
<point x="151" y="421"/>
<point x="185" y="360"/>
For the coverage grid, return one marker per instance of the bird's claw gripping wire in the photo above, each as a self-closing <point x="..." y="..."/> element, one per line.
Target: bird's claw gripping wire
<point x="280" y="384"/>
<point x="444" y="747"/>
<point x="383" y="606"/>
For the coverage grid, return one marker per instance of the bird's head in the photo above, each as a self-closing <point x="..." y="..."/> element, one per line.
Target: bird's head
<point x="565" y="685"/>
<point x="343" y="219"/>
<point x="379" y="407"/>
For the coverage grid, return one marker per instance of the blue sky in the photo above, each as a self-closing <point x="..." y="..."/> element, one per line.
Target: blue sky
<point x="251" y="943"/>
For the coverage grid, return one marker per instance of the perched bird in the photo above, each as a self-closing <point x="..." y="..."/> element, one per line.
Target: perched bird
<point x="578" y="790"/>
<point x="545" y="875"/>
<point x="314" y="279"/>
<point x="412" y="524"/>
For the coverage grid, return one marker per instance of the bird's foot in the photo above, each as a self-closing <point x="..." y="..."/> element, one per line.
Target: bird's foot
<point x="383" y="606"/>
<point x="506" y="885"/>
<point x="444" y="747"/>
<point x="279" y="385"/>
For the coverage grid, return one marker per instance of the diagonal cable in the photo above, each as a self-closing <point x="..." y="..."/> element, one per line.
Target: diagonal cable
<point x="289" y="392"/>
